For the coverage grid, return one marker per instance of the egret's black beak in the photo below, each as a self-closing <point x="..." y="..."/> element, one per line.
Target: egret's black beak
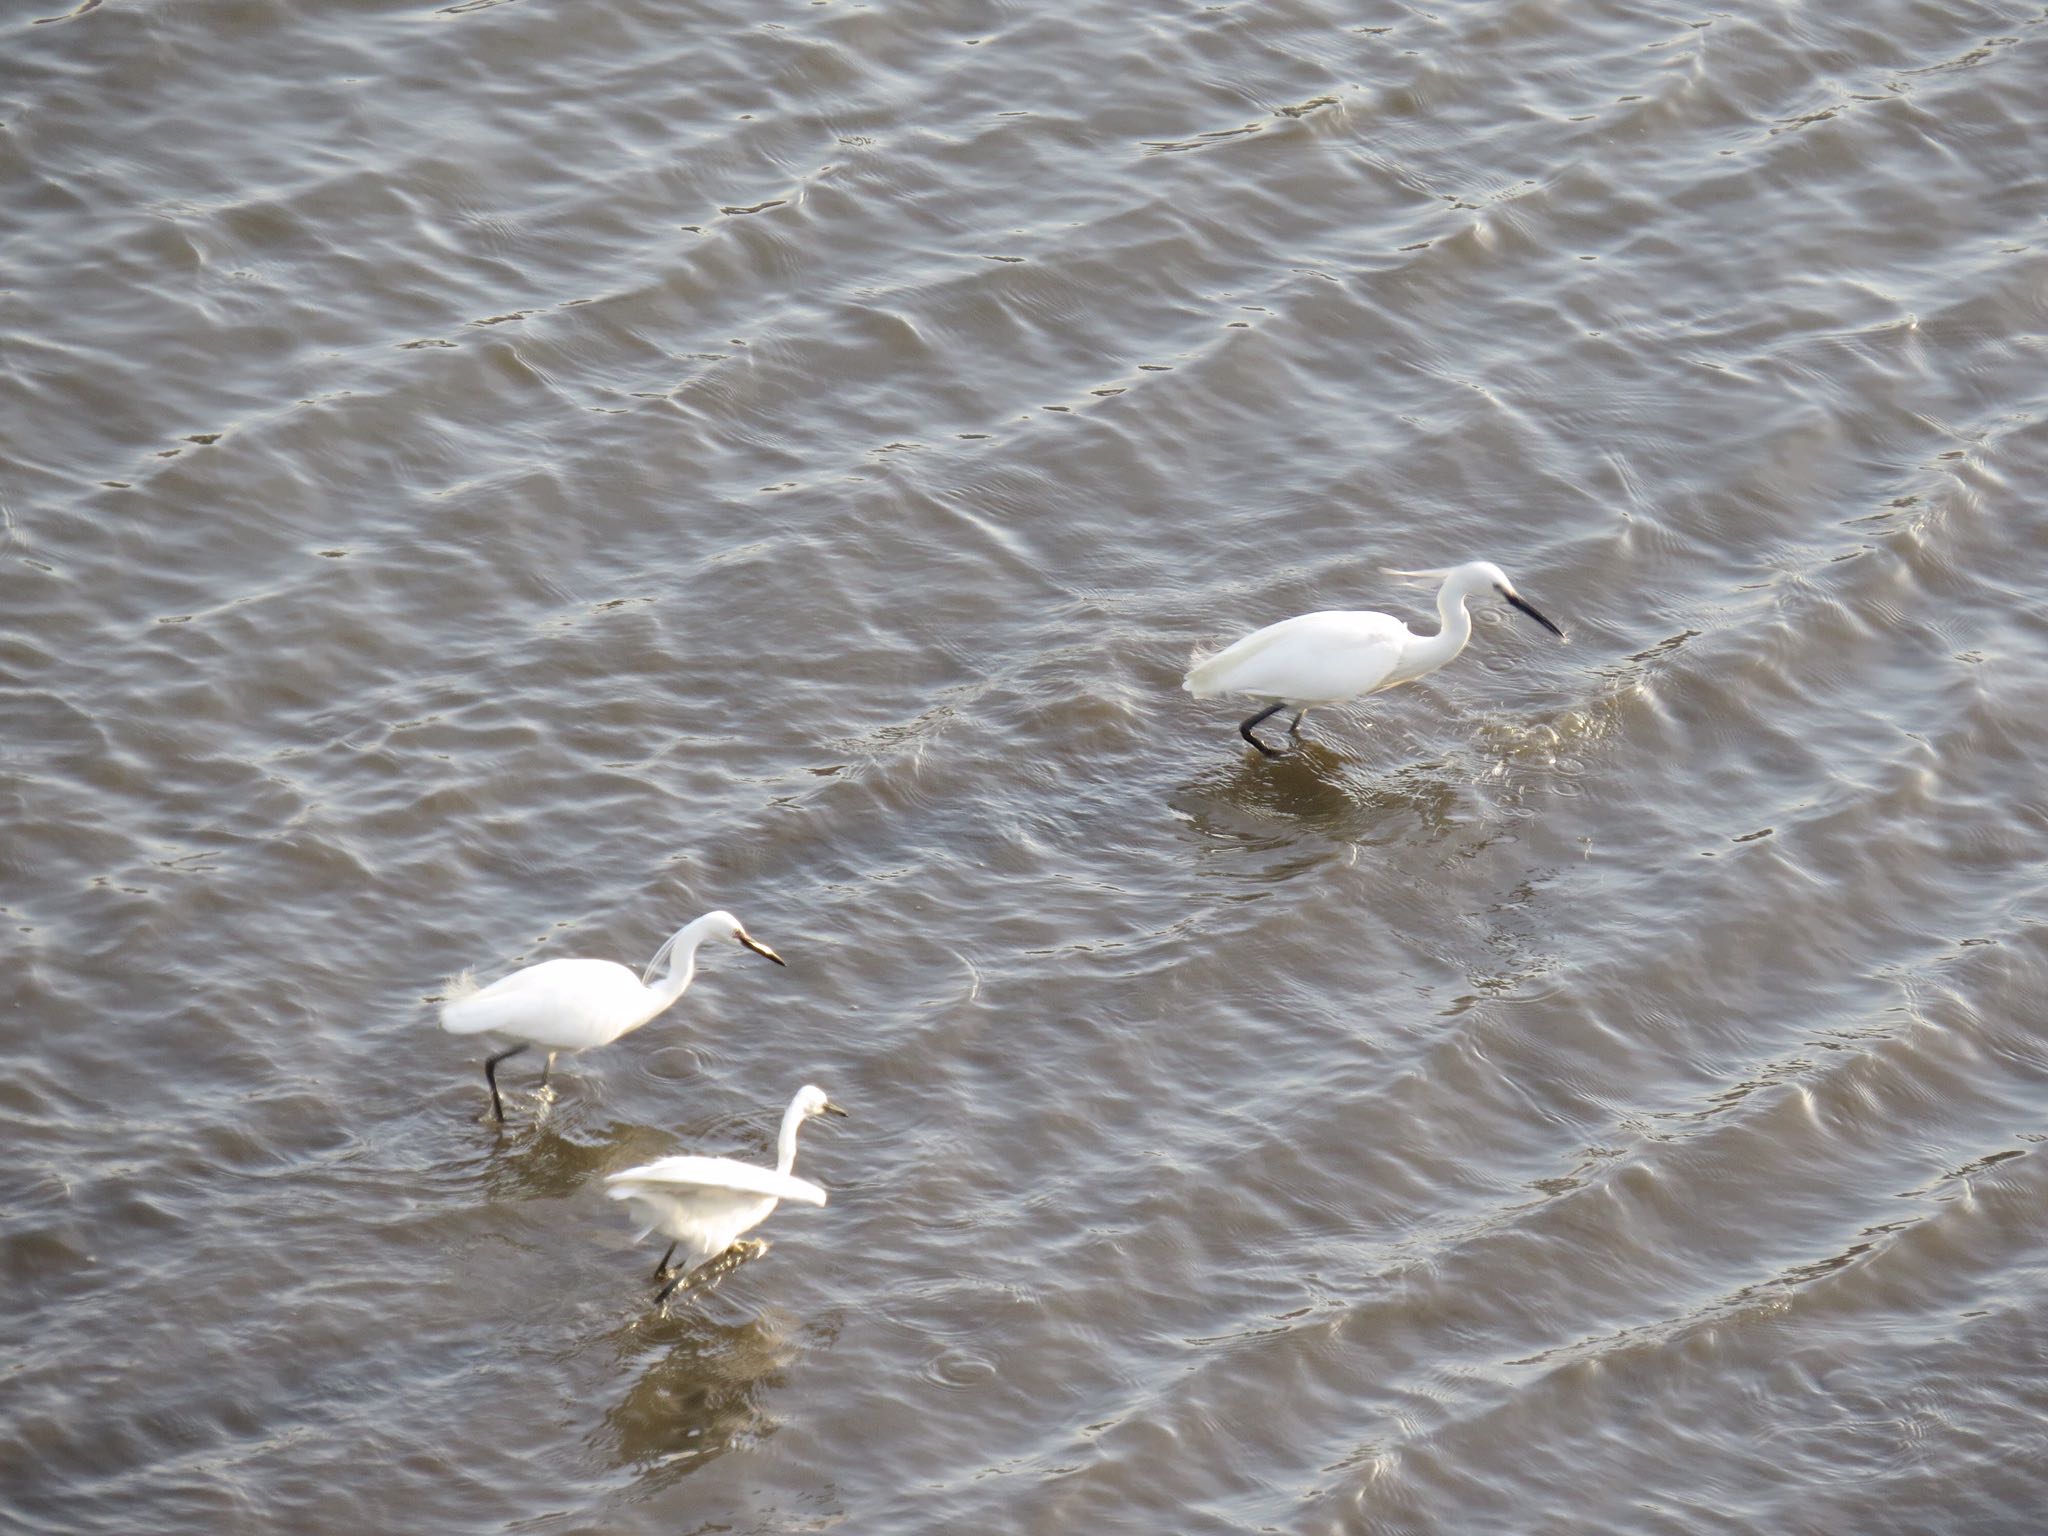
<point x="1529" y="609"/>
<point x="828" y="1107"/>
<point x="760" y="949"/>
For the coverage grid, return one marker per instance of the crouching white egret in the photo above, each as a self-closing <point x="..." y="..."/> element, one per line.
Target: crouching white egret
<point x="573" y="1005"/>
<point x="1329" y="657"/>
<point x="703" y="1204"/>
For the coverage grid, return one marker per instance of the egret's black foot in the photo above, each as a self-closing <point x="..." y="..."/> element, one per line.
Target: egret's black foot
<point x="1261" y="718"/>
<point x="662" y="1268"/>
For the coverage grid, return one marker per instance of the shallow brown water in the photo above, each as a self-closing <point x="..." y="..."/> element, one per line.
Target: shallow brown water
<point x="492" y="482"/>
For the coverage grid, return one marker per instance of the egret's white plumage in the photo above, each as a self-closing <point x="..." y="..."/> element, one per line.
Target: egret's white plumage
<point x="1316" y="658"/>
<point x="704" y="1204"/>
<point x="574" y="1005"/>
<point x="1329" y="657"/>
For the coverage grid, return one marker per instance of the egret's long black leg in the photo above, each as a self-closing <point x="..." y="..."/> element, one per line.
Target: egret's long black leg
<point x="548" y="1069"/>
<point x="1294" y="730"/>
<point x="668" y="1290"/>
<point x="662" y="1268"/>
<point x="491" y="1077"/>
<point x="1260" y="718"/>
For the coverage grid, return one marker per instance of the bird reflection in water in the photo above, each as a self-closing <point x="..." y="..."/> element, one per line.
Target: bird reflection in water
<point x="1269" y="802"/>
<point x="702" y="1393"/>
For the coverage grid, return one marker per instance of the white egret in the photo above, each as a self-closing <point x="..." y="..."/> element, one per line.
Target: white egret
<point x="703" y="1204"/>
<point x="1329" y="657"/>
<point x="573" y="1005"/>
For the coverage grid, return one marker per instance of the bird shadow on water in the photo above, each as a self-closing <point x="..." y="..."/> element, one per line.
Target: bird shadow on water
<point x="1264" y="802"/>
<point x="700" y="1392"/>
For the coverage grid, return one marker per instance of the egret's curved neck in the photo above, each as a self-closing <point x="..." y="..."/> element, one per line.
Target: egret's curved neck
<point x="682" y="956"/>
<point x="785" y="1144"/>
<point x="1454" y="629"/>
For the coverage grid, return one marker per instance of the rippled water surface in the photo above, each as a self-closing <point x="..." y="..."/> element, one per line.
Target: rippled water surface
<point x="489" y="482"/>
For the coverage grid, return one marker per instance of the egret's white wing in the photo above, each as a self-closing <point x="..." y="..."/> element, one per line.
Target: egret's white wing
<point x="1314" y="658"/>
<point x="561" y="1004"/>
<point x="678" y="1175"/>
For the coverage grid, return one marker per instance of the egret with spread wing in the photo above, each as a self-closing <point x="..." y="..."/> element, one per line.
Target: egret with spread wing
<point x="703" y="1204"/>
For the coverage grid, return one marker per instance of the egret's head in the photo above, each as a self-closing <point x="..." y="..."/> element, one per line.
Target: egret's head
<point x="812" y="1101"/>
<point x="725" y="920"/>
<point x="1484" y="573"/>
<point x="1475" y="578"/>
<point x="1467" y="580"/>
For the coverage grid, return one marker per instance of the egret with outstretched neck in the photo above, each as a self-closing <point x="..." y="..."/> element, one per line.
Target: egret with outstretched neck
<point x="575" y="1005"/>
<point x="703" y="1204"/>
<point x="1337" y="655"/>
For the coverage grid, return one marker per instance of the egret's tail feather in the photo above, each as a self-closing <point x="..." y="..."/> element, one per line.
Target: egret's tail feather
<point x="458" y="1005"/>
<point x="1225" y="671"/>
<point x="1200" y="680"/>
